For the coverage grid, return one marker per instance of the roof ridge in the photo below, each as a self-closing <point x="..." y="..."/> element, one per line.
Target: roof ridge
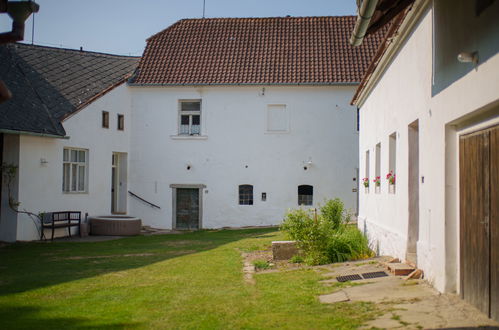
<point x="84" y="52"/>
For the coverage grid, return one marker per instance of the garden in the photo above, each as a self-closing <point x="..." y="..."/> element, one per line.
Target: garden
<point x="191" y="280"/>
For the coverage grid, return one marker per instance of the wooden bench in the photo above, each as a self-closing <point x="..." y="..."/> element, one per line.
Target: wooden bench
<point x="63" y="219"/>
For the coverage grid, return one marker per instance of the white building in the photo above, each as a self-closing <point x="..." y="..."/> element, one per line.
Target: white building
<point x="227" y="122"/>
<point x="52" y="130"/>
<point x="429" y="112"/>
<point x="237" y="120"/>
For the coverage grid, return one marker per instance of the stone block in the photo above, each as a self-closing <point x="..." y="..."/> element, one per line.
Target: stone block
<point x="284" y="250"/>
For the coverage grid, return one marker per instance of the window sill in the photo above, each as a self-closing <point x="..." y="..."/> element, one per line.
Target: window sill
<point x="188" y="137"/>
<point x="75" y="192"/>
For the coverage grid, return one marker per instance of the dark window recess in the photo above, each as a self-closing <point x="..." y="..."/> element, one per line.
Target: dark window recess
<point x="105" y="119"/>
<point x="184" y="120"/>
<point x="358" y="119"/>
<point x="121" y="122"/>
<point x="196" y="120"/>
<point x="264" y="197"/>
<point x="191" y="106"/>
<point x="245" y="194"/>
<point x="305" y="195"/>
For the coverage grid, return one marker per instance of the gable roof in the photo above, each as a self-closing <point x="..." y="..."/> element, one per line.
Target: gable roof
<point x="276" y="50"/>
<point x="48" y="84"/>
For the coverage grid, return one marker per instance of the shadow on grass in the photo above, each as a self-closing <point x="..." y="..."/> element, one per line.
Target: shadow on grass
<point x="30" y="318"/>
<point x="28" y="266"/>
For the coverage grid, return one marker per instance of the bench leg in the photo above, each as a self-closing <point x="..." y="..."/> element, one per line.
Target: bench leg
<point x="53" y="229"/>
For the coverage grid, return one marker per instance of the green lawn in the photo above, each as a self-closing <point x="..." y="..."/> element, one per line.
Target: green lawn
<point x="187" y="281"/>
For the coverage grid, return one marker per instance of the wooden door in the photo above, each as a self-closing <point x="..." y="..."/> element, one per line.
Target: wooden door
<point x="479" y="239"/>
<point x="187" y="208"/>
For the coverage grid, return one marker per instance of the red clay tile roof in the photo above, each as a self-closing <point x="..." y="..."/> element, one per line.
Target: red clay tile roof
<point x="278" y="50"/>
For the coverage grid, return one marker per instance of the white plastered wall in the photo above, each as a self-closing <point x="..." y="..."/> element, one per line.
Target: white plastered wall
<point x="402" y="95"/>
<point x="236" y="149"/>
<point x="40" y="185"/>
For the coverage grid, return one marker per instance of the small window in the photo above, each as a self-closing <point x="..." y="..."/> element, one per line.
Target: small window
<point x="74" y="170"/>
<point x="277" y="118"/>
<point x="121" y="122"/>
<point x="392" y="161"/>
<point x="377" y="169"/>
<point x="190" y="118"/>
<point x="105" y="119"/>
<point x="305" y="195"/>
<point x="245" y="194"/>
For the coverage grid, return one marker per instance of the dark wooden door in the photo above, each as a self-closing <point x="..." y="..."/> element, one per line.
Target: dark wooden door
<point x="479" y="240"/>
<point x="187" y="204"/>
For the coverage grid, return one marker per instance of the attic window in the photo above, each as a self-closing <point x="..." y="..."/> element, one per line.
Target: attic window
<point x="105" y="119"/>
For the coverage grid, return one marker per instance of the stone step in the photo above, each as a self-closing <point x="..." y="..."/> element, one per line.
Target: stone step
<point x="400" y="269"/>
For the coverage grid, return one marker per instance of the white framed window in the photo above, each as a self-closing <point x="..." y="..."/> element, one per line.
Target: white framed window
<point x="277" y="118"/>
<point x="74" y="170"/>
<point x="189" y="117"/>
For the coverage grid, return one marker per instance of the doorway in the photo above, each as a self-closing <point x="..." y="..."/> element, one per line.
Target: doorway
<point x="479" y="219"/>
<point x="413" y="193"/>
<point x="118" y="183"/>
<point x="187" y="206"/>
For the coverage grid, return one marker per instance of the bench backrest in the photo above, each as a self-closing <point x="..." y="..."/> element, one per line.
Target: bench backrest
<point x="62" y="216"/>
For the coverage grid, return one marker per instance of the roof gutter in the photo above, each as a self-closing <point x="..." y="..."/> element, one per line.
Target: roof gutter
<point x="131" y="84"/>
<point x="364" y="16"/>
<point x="10" y="131"/>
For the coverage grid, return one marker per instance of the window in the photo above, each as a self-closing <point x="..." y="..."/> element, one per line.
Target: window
<point x="392" y="161"/>
<point x="305" y="195"/>
<point x="105" y="119"/>
<point x="277" y="118"/>
<point x="245" y="194"/>
<point x="121" y="122"/>
<point x="190" y="118"/>
<point x="377" y="169"/>
<point x="74" y="176"/>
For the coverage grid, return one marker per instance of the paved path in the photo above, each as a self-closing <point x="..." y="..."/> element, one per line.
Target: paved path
<point x="405" y="304"/>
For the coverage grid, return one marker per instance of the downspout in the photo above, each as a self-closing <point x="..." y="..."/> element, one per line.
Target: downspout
<point x="364" y="16"/>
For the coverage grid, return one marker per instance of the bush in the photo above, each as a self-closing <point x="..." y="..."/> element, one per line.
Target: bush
<point x="297" y="259"/>
<point x="333" y="212"/>
<point x="325" y="237"/>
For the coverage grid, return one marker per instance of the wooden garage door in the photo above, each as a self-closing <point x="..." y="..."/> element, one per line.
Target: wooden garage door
<point x="479" y="232"/>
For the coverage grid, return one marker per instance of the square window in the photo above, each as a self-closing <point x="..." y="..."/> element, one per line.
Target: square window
<point x="305" y="195"/>
<point x="277" y="118"/>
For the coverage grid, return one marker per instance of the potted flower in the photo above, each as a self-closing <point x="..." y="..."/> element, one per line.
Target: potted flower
<point x="391" y="177"/>
<point x="377" y="183"/>
<point x="365" y="182"/>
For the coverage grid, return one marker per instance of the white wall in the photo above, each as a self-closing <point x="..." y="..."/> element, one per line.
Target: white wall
<point x="235" y="149"/>
<point x="40" y="185"/>
<point x="402" y="95"/>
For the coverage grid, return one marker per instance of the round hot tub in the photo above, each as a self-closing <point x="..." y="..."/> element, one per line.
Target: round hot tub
<point x="115" y="225"/>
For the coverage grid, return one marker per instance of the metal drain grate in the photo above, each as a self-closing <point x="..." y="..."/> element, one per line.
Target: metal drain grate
<point x="374" y="274"/>
<point x="344" y="278"/>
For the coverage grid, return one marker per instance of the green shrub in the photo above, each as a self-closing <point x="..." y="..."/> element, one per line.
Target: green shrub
<point x="297" y="259"/>
<point x="334" y="212"/>
<point x="261" y="264"/>
<point x="325" y="237"/>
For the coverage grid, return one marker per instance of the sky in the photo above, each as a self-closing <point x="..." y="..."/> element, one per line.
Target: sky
<point x="122" y="26"/>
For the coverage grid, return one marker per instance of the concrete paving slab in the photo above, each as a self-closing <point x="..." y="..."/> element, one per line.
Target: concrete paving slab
<point x="338" y="296"/>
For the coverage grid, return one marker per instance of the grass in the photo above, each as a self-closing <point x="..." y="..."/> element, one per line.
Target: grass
<point x="188" y="281"/>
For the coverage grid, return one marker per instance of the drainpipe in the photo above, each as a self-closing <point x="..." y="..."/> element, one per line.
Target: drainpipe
<point x="364" y="15"/>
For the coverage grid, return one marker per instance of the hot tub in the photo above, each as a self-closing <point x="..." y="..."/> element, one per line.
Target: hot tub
<point x="115" y="225"/>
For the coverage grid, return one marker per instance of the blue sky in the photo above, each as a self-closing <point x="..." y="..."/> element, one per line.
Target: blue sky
<point x="121" y="26"/>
